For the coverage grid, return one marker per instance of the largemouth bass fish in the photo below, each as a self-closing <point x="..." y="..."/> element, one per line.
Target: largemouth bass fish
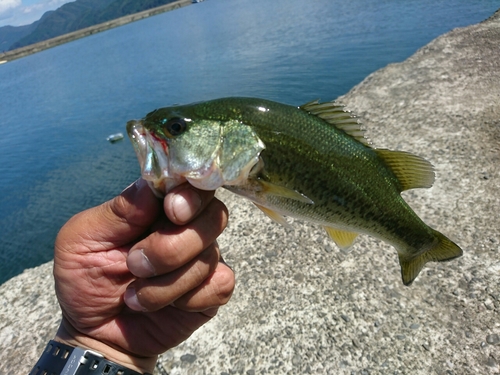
<point x="310" y="162"/>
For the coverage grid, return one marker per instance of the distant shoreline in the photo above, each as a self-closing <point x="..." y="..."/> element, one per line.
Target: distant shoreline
<point x="53" y="42"/>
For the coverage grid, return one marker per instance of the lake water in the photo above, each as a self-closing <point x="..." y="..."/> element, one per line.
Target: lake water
<point x="58" y="106"/>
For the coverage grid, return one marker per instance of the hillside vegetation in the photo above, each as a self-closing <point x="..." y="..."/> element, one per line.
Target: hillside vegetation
<point x="71" y="17"/>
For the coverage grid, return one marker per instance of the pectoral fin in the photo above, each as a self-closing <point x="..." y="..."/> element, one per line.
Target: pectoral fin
<point x="281" y="191"/>
<point x="273" y="215"/>
<point x="342" y="238"/>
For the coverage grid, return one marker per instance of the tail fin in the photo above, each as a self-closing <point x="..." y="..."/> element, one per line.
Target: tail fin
<point x="444" y="250"/>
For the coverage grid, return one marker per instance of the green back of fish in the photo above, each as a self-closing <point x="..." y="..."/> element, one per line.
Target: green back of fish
<point x="350" y="185"/>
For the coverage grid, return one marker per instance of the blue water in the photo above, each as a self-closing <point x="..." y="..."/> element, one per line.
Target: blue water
<point x="58" y="106"/>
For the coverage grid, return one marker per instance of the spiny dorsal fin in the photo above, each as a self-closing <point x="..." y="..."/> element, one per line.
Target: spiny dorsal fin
<point x="411" y="170"/>
<point x="335" y="114"/>
<point x="342" y="238"/>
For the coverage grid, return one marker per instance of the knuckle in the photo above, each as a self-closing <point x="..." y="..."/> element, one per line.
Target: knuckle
<point x="225" y="286"/>
<point x="210" y="255"/>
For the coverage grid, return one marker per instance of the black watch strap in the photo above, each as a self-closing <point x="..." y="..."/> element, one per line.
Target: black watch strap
<point x="62" y="359"/>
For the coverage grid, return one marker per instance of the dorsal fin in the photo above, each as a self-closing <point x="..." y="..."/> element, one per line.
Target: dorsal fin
<point x="411" y="170"/>
<point x="335" y="114"/>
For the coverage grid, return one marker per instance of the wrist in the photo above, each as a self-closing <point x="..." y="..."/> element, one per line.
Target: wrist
<point x="69" y="336"/>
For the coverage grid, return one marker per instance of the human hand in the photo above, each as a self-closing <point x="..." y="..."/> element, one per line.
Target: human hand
<point x="135" y="278"/>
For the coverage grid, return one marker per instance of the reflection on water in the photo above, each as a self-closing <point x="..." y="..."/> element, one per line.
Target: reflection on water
<point x="33" y="227"/>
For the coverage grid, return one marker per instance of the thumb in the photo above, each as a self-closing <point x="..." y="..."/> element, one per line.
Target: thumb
<point x="115" y="222"/>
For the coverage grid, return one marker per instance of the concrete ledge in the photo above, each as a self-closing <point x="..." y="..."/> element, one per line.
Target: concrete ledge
<point x="301" y="305"/>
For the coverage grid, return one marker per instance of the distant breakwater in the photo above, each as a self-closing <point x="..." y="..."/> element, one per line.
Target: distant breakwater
<point x="53" y="42"/>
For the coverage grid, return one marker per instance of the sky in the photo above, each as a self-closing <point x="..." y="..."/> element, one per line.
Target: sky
<point x="24" y="12"/>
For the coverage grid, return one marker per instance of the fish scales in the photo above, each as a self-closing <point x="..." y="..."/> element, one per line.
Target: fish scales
<point x="308" y="162"/>
<point x="335" y="171"/>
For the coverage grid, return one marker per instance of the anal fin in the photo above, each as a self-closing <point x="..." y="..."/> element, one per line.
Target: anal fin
<point x="342" y="238"/>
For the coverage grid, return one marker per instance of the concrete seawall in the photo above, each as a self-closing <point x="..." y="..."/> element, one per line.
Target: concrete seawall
<point x="301" y="305"/>
<point x="49" y="43"/>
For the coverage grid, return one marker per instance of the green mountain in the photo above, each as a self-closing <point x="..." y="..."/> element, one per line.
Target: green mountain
<point x="71" y="17"/>
<point x="11" y="34"/>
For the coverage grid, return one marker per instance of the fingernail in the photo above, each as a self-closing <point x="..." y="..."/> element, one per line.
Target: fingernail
<point x="140" y="186"/>
<point x="211" y="312"/>
<point x="221" y="260"/>
<point x="131" y="300"/>
<point x="140" y="183"/>
<point x="185" y="205"/>
<point x="135" y="187"/>
<point x="128" y="187"/>
<point x="139" y="264"/>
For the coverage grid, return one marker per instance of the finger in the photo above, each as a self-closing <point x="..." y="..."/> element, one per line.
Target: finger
<point x="212" y="293"/>
<point x="185" y="202"/>
<point x="115" y="222"/>
<point x="157" y="292"/>
<point x="171" y="247"/>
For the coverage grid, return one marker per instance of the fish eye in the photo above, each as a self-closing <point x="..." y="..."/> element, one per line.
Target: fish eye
<point x="175" y="126"/>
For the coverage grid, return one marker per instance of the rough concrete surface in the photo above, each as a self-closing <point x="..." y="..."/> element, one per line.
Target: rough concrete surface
<point x="301" y="305"/>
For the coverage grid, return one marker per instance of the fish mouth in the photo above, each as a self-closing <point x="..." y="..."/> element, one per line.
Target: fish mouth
<point x="153" y="158"/>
